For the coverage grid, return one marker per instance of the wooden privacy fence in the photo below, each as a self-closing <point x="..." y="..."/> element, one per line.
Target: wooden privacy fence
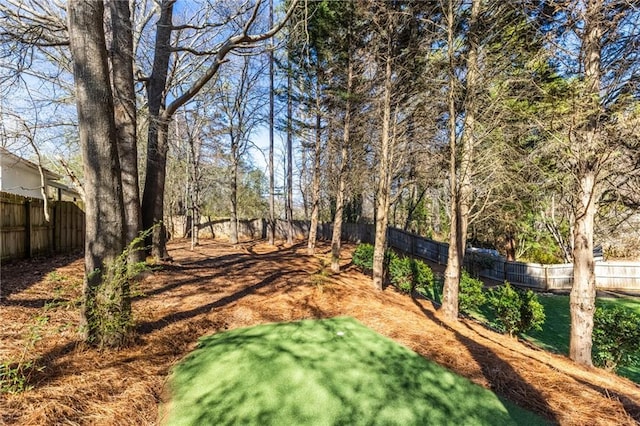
<point x="24" y="232"/>
<point x="610" y="275"/>
<point x="353" y="232"/>
<point x="247" y="228"/>
<point x="617" y="276"/>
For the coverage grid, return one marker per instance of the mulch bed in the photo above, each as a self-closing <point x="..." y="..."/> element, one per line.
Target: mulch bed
<point x="219" y="286"/>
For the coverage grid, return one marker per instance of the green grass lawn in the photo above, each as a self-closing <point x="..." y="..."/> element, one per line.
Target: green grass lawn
<point x="555" y="331"/>
<point x="326" y="372"/>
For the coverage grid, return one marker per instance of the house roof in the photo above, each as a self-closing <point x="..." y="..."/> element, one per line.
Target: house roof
<point x="8" y="159"/>
<point x="69" y="190"/>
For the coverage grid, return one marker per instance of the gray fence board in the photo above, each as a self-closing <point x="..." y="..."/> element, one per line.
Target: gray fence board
<point x="618" y="276"/>
<point x="24" y="231"/>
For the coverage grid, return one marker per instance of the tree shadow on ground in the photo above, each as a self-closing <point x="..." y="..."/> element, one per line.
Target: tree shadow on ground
<point x="18" y="276"/>
<point x="630" y="405"/>
<point x="53" y="365"/>
<point x="221" y="266"/>
<point x="150" y="326"/>
<point x="502" y="377"/>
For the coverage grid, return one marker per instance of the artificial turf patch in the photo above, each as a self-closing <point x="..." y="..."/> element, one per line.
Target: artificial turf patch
<point x="325" y="372"/>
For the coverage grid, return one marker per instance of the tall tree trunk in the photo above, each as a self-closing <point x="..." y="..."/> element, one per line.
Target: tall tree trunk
<point x="126" y="120"/>
<point x="460" y="172"/>
<point x="342" y="176"/>
<point x="384" y="174"/>
<point x="454" y="261"/>
<point x="195" y="213"/>
<point x="106" y="310"/>
<point x="233" y="237"/>
<point x="337" y="219"/>
<point x="272" y="188"/>
<point x="152" y="203"/>
<point x="194" y="194"/>
<point x="452" y="271"/>
<point x="315" y="185"/>
<point x="158" y="135"/>
<point x="289" y="197"/>
<point x="583" y="291"/>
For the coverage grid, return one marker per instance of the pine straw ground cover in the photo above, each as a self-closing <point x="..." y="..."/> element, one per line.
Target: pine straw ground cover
<point x="220" y="287"/>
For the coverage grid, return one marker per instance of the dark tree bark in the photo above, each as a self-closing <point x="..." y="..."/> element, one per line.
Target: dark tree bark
<point x="272" y="190"/>
<point x="233" y="237"/>
<point x="106" y="309"/>
<point x="157" y="141"/>
<point x="124" y="97"/>
<point x="385" y="164"/>
<point x="315" y="184"/>
<point x="289" y="197"/>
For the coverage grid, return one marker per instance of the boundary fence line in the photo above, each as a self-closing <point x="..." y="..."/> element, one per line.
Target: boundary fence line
<point x="610" y="275"/>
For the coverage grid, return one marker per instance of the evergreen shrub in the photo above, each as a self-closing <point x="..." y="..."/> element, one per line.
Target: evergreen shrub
<point x="516" y="311"/>
<point x="471" y="295"/>
<point x="616" y="338"/>
<point x="363" y="257"/>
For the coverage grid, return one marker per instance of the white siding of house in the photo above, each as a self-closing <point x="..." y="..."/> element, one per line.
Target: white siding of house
<point x="20" y="180"/>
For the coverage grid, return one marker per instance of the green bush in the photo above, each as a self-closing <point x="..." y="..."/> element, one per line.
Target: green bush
<point x="400" y="273"/>
<point x="363" y="257"/>
<point x="471" y="295"/>
<point x="422" y="275"/>
<point x="531" y="312"/>
<point x="405" y="273"/>
<point x="516" y="311"/>
<point x="616" y="338"/>
<point x="409" y="274"/>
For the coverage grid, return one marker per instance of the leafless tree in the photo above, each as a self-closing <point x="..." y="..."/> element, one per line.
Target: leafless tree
<point x="241" y="24"/>
<point x="241" y="101"/>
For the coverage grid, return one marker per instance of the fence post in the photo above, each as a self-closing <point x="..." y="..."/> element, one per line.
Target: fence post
<point x="546" y="277"/>
<point x="53" y="224"/>
<point x="413" y="244"/>
<point x="27" y="229"/>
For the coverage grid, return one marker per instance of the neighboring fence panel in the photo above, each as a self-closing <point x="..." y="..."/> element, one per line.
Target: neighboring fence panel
<point x="40" y="230"/>
<point x="618" y="276"/>
<point x="624" y="276"/>
<point x="24" y="232"/>
<point x="525" y="274"/>
<point x="69" y="227"/>
<point x="400" y="240"/>
<point x="247" y="228"/>
<point x="560" y="277"/>
<point x="13" y="225"/>
<point x="352" y="232"/>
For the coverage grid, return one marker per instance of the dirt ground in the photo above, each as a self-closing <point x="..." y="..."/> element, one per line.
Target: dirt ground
<point x="219" y="287"/>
